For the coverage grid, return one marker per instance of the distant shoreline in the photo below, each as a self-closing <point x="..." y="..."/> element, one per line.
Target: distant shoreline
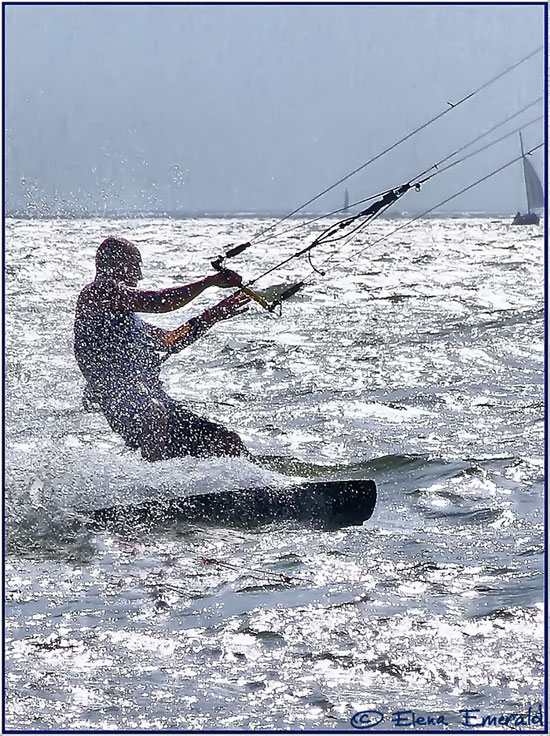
<point x="21" y="215"/>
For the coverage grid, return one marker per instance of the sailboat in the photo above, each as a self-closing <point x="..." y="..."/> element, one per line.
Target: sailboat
<point x="533" y="192"/>
<point x="346" y="201"/>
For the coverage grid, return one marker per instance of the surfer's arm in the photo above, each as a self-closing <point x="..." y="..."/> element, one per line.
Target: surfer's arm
<point x="187" y="333"/>
<point x="176" y="339"/>
<point x="175" y="297"/>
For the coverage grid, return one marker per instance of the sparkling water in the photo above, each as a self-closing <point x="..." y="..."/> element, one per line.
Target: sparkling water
<point x="418" y="363"/>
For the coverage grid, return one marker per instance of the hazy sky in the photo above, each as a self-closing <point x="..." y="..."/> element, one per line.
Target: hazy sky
<point x="259" y="108"/>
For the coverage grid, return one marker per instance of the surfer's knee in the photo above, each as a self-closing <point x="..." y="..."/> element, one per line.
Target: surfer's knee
<point x="229" y="443"/>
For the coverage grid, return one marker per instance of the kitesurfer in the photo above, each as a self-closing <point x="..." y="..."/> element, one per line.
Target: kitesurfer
<point x="120" y="355"/>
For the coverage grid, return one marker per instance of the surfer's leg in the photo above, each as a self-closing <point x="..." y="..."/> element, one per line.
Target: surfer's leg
<point x="152" y="430"/>
<point x="139" y="415"/>
<point x="162" y="428"/>
<point x="225" y="442"/>
<point x="197" y="436"/>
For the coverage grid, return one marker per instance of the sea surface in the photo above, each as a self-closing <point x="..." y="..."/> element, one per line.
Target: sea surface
<point x="418" y="363"/>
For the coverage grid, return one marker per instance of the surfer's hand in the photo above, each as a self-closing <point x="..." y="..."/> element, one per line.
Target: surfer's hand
<point x="229" y="307"/>
<point x="226" y="279"/>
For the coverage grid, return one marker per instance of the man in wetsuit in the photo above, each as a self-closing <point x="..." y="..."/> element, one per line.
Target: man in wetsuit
<point x="120" y="355"/>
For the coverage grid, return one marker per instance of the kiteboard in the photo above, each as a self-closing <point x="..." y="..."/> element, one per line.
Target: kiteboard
<point x="322" y="504"/>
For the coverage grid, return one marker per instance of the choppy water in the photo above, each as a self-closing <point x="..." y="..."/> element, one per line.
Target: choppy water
<point x="419" y="364"/>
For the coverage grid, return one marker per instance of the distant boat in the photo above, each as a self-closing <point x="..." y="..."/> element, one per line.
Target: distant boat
<point x="533" y="192"/>
<point x="346" y="201"/>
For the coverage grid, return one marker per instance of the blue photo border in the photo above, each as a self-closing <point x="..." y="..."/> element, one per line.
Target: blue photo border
<point x="540" y="3"/>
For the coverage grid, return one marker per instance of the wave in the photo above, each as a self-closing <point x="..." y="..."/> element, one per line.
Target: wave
<point x="288" y="465"/>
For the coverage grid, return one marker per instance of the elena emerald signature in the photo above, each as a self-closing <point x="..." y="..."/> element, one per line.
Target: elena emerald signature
<point x="465" y="718"/>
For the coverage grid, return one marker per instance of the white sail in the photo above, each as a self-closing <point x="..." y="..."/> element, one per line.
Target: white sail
<point x="346" y="201"/>
<point x="533" y="186"/>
